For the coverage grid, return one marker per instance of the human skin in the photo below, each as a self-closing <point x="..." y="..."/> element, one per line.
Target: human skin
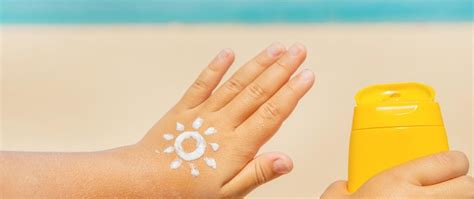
<point x="246" y="110"/>
<point x="442" y="175"/>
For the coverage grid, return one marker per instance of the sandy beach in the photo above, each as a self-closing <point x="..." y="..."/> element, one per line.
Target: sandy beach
<point x="92" y="87"/>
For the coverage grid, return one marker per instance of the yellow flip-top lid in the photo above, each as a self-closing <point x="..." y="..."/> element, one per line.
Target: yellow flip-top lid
<point x="396" y="105"/>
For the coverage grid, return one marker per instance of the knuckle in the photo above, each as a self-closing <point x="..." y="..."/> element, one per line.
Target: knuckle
<point x="270" y="111"/>
<point x="281" y="64"/>
<point x="200" y="84"/>
<point x="260" y="176"/>
<point x="292" y="89"/>
<point x="259" y="61"/>
<point x="256" y="91"/>
<point x="214" y="67"/>
<point x="234" y="85"/>
<point x="242" y="154"/>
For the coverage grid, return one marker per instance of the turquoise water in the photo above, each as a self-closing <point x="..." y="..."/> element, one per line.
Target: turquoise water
<point x="240" y="11"/>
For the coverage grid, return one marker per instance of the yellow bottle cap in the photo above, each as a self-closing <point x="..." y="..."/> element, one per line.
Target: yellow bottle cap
<point x="396" y="105"/>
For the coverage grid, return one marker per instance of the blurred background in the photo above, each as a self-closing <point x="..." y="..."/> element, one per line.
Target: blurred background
<point x="85" y="75"/>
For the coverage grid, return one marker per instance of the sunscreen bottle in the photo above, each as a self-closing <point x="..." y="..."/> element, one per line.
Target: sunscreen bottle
<point x="393" y="124"/>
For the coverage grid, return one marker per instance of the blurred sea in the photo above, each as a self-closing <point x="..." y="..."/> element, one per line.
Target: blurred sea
<point x="238" y="11"/>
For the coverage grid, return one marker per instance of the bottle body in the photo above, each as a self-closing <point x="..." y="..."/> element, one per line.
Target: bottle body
<point x="373" y="150"/>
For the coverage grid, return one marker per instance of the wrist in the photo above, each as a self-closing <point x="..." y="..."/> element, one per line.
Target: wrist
<point x="124" y="171"/>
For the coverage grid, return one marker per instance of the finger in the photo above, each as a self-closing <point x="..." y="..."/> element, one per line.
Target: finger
<point x="260" y="170"/>
<point x="207" y="80"/>
<point x="433" y="169"/>
<point x="461" y="187"/>
<point x="268" y="118"/>
<point x="257" y="92"/>
<point x="337" y="189"/>
<point x="244" y="76"/>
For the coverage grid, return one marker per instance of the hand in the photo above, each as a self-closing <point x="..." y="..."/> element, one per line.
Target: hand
<point x="204" y="147"/>
<point x="441" y="175"/>
<point x="234" y="121"/>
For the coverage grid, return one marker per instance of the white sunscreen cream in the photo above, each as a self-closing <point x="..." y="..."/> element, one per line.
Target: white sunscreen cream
<point x="210" y="131"/>
<point x="214" y="146"/>
<point x="169" y="149"/>
<point x="168" y="136"/>
<point x="197" y="123"/>
<point x="200" y="145"/>
<point x="179" y="126"/>
<point x="211" y="162"/>
<point x="194" y="170"/>
<point x="176" y="163"/>
<point x="199" y="150"/>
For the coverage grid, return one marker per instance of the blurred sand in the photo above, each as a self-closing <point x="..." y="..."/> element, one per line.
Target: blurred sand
<point x="85" y="88"/>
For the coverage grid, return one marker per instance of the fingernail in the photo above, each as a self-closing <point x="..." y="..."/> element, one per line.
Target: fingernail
<point x="307" y="75"/>
<point x="295" y="49"/>
<point x="275" y="49"/>
<point x="224" y="53"/>
<point x="280" y="167"/>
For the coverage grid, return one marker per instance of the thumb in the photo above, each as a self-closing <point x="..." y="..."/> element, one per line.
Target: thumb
<point x="434" y="169"/>
<point x="260" y="170"/>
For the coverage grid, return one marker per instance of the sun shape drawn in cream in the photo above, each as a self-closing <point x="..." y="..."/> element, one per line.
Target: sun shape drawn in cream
<point x="200" y="148"/>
